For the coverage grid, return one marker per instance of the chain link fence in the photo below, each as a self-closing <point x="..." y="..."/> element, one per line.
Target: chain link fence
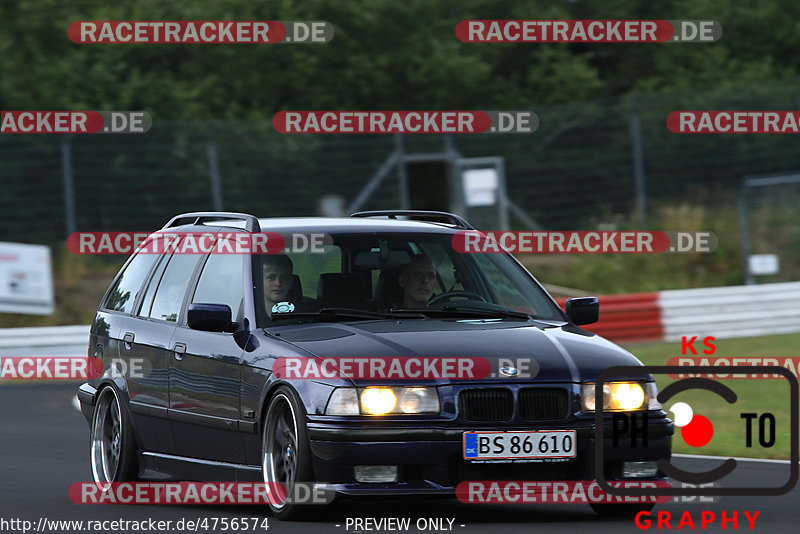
<point x="769" y="221"/>
<point x="609" y="162"/>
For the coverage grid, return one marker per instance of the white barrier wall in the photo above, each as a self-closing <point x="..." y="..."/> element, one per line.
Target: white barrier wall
<point x="45" y="341"/>
<point x="730" y="312"/>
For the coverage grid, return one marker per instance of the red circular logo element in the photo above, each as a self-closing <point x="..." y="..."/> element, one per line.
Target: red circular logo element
<point x="698" y="432"/>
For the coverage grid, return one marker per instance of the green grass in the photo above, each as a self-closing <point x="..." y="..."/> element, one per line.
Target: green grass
<point x="758" y="396"/>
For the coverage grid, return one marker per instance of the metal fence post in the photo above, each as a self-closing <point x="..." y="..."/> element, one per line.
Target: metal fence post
<point x="373" y="183"/>
<point x="213" y="172"/>
<point x="68" y="185"/>
<point x="638" y="162"/>
<point x="454" y="184"/>
<point x="744" y="230"/>
<point x="402" y="173"/>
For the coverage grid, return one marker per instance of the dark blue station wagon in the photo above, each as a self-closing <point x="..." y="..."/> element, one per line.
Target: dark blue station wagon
<point x="206" y="332"/>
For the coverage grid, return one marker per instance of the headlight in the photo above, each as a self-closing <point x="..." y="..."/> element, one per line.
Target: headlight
<point x="627" y="396"/>
<point x="652" y="396"/>
<point x="344" y="401"/>
<point x="383" y="401"/>
<point x="588" y="398"/>
<point x="418" y="400"/>
<point x="378" y="401"/>
<point x="621" y="397"/>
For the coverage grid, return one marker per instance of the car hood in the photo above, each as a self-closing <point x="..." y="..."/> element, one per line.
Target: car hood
<point x="561" y="352"/>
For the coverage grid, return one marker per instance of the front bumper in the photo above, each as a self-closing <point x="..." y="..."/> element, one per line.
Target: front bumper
<point x="430" y="459"/>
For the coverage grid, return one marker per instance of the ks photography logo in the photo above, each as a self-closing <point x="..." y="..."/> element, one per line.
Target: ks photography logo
<point x="696" y="430"/>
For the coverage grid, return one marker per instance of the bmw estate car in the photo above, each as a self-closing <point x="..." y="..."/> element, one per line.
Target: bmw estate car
<point x="248" y="366"/>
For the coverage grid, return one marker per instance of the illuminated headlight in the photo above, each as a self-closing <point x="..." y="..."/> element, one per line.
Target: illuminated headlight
<point x="621" y="396"/>
<point x="399" y="400"/>
<point x="383" y="401"/>
<point x="378" y="401"/>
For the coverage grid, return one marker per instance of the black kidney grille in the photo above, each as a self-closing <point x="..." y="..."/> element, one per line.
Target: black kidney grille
<point x="538" y="404"/>
<point x="496" y="404"/>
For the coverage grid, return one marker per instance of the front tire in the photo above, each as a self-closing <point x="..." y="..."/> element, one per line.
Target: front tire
<point x="112" y="444"/>
<point x="286" y="454"/>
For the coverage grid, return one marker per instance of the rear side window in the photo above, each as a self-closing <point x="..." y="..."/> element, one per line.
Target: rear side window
<point x="147" y="301"/>
<point x="125" y="291"/>
<point x="172" y="288"/>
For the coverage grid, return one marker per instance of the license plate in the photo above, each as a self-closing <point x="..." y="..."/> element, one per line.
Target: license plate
<point x="513" y="445"/>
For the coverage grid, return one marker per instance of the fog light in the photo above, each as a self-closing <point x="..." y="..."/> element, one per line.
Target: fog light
<point x="639" y="469"/>
<point x="376" y="473"/>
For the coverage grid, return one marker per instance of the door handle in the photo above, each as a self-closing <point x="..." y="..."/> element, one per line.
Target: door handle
<point x="128" y="339"/>
<point x="179" y="350"/>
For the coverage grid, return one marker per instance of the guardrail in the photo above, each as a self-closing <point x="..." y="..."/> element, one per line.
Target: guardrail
<point x="722" y="312"/>
<point x="729" y="312"/>
<point x="46" y="336"/>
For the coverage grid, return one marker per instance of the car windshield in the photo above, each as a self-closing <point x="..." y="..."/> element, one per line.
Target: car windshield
<point x="372" y="276"/>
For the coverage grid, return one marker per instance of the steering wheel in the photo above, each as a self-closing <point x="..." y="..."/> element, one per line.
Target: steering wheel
<point x="448" y="295"/>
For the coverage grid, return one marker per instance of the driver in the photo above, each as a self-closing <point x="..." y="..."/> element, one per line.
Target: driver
<point x="417" y="280"/>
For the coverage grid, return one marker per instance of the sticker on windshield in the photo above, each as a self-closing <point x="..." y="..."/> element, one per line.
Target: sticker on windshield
<point x="283" y="307"/>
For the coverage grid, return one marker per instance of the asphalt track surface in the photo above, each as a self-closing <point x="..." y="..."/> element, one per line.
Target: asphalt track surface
<point x="44" y="450"/>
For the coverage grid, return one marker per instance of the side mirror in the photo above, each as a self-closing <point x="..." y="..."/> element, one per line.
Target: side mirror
<point x="583" y="310"/>
<point x="209" y="317"/>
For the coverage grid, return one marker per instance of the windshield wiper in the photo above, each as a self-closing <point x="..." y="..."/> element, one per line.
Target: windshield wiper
<point x="452" y="310"/>
<point x="494" y="312"/>
<point x="343" y="313"/>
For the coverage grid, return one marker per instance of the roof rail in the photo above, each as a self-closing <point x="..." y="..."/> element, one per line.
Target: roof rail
<point x="430" y="216"/>
<point x="251" y="222"/>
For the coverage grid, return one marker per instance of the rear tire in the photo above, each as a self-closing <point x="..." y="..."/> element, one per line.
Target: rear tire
<point x="112" y="444"/>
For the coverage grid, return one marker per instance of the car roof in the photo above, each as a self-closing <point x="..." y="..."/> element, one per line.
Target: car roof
<point x="332" y="225"/>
